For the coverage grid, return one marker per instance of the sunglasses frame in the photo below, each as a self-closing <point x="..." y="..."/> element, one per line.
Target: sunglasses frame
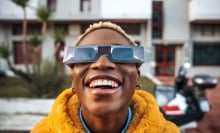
<point x="133" y="54"/>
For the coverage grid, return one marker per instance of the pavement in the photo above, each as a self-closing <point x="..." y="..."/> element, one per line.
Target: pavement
<point x="19" y="115"/>
<point x="211" y="121"/>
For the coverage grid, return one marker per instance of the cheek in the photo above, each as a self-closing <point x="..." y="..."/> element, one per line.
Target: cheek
<point x="131" y="75"/>
<point x="131" y="79"/>
<point x="78" y="73"/>
<point x="132" y="72"/>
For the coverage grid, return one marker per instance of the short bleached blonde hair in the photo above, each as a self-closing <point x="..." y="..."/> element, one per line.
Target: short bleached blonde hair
<point x="104" y="25"/>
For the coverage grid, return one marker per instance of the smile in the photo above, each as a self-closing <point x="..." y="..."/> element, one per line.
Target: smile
<point x="103" y="83"/>
<point x="103" y="86"/>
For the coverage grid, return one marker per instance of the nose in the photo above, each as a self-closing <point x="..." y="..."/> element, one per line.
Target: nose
<point x="103" y="63"/>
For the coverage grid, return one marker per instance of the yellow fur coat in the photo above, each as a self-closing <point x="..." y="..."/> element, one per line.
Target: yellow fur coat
<point x="64" y="116"/>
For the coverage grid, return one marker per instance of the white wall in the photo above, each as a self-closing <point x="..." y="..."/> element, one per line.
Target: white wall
<point x="65" y="9"/>
<point x="213" y="71"/>
<point x="9" y="10"/>
<point x="204" y="10"/>
<point x="70" y="10"/>
<point x="176" y="26"/>
<point x="126" y="9"/>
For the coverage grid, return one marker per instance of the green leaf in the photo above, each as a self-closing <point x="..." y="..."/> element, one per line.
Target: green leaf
<point x="5" y="51"/>
<point x="22" y="3"/>
<point x="35" y="40"/>
<point x="44" y="13"/>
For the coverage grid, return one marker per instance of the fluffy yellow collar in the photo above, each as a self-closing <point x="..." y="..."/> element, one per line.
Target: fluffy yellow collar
<point x="146" y="115"/>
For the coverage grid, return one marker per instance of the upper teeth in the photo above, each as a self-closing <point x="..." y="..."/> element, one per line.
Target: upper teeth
<point x="103" y="82"/>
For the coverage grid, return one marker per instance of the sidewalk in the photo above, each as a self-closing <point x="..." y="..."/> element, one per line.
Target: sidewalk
<point x="211" y="121"/>
<point x="19" y="115"/>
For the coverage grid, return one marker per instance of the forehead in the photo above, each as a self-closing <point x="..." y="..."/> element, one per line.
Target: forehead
<point x="104" y="36"/>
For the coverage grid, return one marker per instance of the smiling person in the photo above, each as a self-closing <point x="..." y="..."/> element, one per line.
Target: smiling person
<point x="104" y="98"/>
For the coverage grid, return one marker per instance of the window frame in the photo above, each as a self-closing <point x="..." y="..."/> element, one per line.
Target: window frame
<point x="201" y="29"/>
<point x="210" y="49"/>
<point x="18" y="53"/>
<point x="82" y="5"/>
<point x="157" y="7"/>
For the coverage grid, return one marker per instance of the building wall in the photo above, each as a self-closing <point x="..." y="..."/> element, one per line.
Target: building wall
<point x="117" y="9"/>
<point x="213" y="71"/>
<point x="70" y="10"/>
<point x="178" y="15"/>
<point x="16" y="13"/>
<point x="176" y="25"/>
<point x="204" y="10"/>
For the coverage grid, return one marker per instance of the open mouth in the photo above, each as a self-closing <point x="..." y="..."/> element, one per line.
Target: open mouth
<point x="103" y="83"/>
<point x="103" y="86"/>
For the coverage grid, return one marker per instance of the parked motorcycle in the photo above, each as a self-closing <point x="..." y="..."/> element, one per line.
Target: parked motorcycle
<point x="184" y="104"/>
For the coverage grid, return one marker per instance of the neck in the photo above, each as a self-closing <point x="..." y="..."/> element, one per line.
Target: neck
<point x="108" y="123"/>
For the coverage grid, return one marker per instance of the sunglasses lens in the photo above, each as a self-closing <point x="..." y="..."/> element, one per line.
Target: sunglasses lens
<point x="84" y="54"/>
<point x="122" y="54"/>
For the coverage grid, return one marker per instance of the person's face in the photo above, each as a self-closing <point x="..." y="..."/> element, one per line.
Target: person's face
<point x="103" y="86"/>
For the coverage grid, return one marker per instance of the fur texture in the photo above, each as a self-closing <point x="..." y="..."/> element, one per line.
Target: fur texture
<point x="64" y="116"/>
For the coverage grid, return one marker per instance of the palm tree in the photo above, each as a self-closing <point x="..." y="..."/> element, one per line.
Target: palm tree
<point x="59" y="35"/>
<point x="23" y="5"/>
<point x="5" y="53"/>
<point x="35" y="42"/>
<point x="44" y="14"/>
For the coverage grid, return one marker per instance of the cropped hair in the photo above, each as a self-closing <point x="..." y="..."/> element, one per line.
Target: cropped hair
<point x="104" y="25"/>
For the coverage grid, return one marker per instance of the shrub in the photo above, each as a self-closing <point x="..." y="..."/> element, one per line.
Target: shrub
<point x="147" y="84"/>
<point x="49" y="82"/>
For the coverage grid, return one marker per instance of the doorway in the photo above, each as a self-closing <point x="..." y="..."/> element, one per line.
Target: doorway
<point x="165" y="60"/>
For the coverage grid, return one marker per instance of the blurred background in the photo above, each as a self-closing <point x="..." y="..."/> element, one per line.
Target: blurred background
<point x="33" y="34"/>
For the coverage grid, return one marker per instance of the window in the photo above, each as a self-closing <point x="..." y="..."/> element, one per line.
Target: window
<point x="18" y="53"/>
<point x="31" y="28"/>
<point x="196" y="30"/>
<point x="84" y="27"/>
<point x="157" y="16"/>
<point x="132" y="29"/>
<point x="206" y="29"/>
<point x="206" y="54"/>
<point x="157" y="19"/>
<point x="16" y="29"/>
<point x="157" y="32"/>
<point x="34" y="28"/>
<point x="64" y="27"/>
<point x="51" y="4"/>
<point x="165" y="60"/>
<point x="85" y="5"/>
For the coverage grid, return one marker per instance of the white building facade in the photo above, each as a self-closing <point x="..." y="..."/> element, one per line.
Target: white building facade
<point x="171" y="31"/>
<point x="186" y="31"/>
